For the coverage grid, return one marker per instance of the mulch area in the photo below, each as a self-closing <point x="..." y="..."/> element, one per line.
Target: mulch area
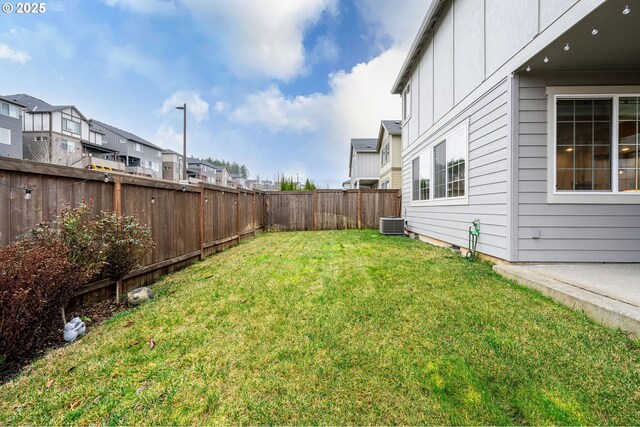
<point x="93" y="315"/>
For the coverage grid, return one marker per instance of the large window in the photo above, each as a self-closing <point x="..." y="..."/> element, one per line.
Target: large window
<point x="5" y="136"/>
<point x="449" y="166"/>
<point x="583" y="149"/>
<point x="71" y="126"/>
<point x="596" y="144"/>
<point x="9" y="110"/>
<point x="420" y="178"/>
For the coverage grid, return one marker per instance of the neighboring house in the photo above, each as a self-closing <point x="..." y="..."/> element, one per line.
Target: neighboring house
<point x="390" y="148"/>
<point x="172" y="165"/>
<point x="238" y="181"/>
<point x="139" y="156"/>
<point x="525" y="117"/>
<point x="59" y="134"/>
<point x="10" y="128"/>
<point x="223" y="176"/>
<point x="346" y="185"/>
<point x="201" y="170"/>
<point x="364" y="163"/>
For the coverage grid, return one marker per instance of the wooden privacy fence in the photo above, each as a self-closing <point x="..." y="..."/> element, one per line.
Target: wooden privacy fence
<point x="188" y="223"/>
<point x="330" y="209"/>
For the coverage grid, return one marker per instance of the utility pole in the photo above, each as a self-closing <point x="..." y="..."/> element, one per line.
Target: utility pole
<point x="184" y="141"/>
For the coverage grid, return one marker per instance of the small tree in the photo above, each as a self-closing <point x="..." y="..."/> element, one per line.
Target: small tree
<point x="309" y="186"/>
<point x="55" y="152"/>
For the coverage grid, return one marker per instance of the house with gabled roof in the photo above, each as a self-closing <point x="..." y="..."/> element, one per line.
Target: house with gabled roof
<point x="524" y="117"/>
<point x="364" y="163"/>
<point x="139" y="156"/>
<point x="58" y="134"/>
<point x="389" y="147"/>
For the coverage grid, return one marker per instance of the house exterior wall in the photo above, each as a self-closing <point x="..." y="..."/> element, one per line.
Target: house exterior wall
<point x="14" y="125"/>
<point x="475" y="44"/>
<point x="367" y="165"/>
<point x="487" y="182"/>
<point x="567" y="232"/>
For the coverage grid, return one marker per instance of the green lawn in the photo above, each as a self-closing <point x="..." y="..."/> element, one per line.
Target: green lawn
<point x="344" y="327"/>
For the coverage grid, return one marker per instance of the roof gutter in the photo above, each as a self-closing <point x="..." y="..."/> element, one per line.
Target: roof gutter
<point x="425" y="31"/>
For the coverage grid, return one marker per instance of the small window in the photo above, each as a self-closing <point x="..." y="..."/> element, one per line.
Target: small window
<point x="384" y="154"/>
<point x="5" y="136"/>
<point x="137" y="146"/>
<point x="123" y="141"/>
<point x="71" y="126"/>
<point x="159" y="153"/>
<point x="406" y="102"/>
<point x="420" y="178"/>
<point x="10" y="110"/>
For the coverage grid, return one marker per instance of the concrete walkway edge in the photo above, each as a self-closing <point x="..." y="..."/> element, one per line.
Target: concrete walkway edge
<point x="604" y="310"/>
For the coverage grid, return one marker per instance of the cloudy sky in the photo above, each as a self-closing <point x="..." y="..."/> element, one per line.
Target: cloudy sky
<point x="280" y="85"/>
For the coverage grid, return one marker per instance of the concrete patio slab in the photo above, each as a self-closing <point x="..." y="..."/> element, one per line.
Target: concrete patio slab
<point x="607" y="293"/>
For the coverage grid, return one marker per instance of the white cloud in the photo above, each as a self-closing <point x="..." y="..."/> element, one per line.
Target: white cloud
<point x="144" y="6"/>
<point x="167" y="137"/>
<point x="261" y="38"/>
<point x="220" y="106"/>
<point x="13" y="55"/>
<point x="197" y="107"/>
<point x="274" y="111"/>
<point x="358" y="101"/>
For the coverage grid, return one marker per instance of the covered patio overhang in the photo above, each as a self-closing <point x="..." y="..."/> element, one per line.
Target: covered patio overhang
<point x="615" y="46"/>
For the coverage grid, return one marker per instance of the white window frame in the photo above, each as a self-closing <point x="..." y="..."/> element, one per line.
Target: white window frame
<point x="406" y="103"/>
<point x="137" y="147"/>
<point x="11" y="107"/>
<point x="428" y="149"/>
<point x="8" y="132"/>
<point x="587" y="197"/>
<point x="66" y="120"/>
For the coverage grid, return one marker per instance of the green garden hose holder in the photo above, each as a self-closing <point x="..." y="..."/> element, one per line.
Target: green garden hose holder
<point x="474" y="232"/>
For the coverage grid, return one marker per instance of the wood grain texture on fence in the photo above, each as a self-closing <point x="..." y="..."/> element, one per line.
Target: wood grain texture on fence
<point x="187" y="223"/>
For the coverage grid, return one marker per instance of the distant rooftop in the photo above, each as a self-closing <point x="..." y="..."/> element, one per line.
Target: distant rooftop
<point x="394" y="127"/>
<point x="364" y="144"/>
<point x="128" y="135"/>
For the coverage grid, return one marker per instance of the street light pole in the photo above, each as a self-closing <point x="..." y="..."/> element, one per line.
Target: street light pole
<point x="184" y="141"/>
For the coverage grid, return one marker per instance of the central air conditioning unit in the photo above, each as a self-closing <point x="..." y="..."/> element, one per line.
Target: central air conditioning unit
<point x="392" y="226"/>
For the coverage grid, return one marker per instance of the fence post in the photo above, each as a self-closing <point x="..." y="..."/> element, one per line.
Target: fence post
<point x="117" y="208"/>
<point x="238" y="215"/>
<point x="399" y="202"/>
<point x="202" y="221"/>
<point x="267" y="212"/>
<point x="254" y="213"/>
<point x="315" y="210"/>
<point x="359" y="209"/>
<point x="117" y="195"/>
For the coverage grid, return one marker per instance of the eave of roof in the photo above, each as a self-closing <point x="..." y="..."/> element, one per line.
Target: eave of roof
<point x="416" y="50"/>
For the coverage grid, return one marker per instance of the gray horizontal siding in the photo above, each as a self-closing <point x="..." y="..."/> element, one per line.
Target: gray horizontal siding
<point x="487" y="182"/>
<point x="15" y="126"/>
<point x="568" y="232"/>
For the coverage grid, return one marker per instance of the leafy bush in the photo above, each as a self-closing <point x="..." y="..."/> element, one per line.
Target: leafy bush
<point x="44" y="270"/>
<point x="78" y="231"/>
<point x="37" y="278"/>
<point x="126" y="242"/>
